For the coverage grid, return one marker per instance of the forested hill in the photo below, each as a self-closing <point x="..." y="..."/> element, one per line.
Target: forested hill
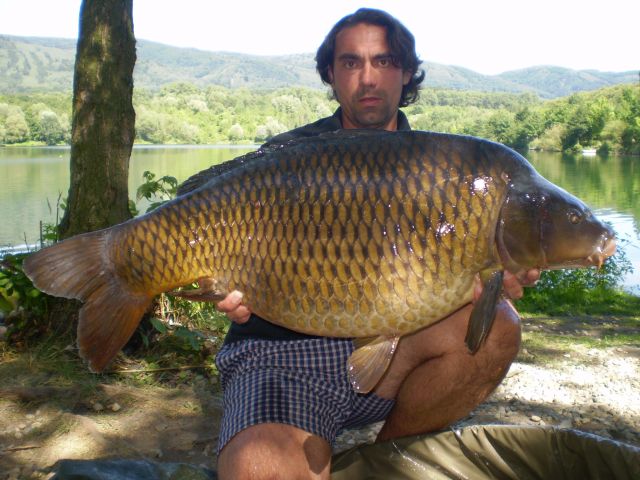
<point x="46" y="64"/>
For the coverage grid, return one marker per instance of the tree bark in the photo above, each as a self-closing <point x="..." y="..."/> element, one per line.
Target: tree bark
<point x="103" y="127"/>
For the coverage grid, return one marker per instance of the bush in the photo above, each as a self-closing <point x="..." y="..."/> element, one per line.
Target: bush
<point x="583" y="291"/>
<point x="24" y="308"/>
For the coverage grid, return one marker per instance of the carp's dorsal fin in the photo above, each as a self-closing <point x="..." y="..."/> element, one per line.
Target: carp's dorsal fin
<point x="369" y="361"/>
<point x="201" y="178"/>
<point x="207" y="291"/>
<point x="484" y="310"/>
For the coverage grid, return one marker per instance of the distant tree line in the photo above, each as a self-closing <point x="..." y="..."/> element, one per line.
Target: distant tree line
<point x="607" y="119"/>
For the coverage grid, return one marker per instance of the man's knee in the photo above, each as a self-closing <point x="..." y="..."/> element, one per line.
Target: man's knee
<point x="503" y="342"/>
<point x="506" y="330"/>
<point x="274" y="451"/>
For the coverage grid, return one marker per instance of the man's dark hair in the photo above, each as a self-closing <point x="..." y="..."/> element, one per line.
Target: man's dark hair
<point x="400" y="41"/>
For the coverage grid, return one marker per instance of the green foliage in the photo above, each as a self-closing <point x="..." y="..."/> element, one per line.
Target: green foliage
<point x="608" y="119"/>
<point x="24" y="308"/>
<point x="16" y="290"/>
<point x="189" y="340"/>
<point x="187" y="325"/>
<point x="40" y="117"/>
<point x="162" y="189"/>
<point x="583" y="291"/>
<point x="181" y="113"/>
<point x="49" y="232"/>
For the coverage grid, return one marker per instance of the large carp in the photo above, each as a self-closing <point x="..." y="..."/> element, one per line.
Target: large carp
<point x="349" y="234"/>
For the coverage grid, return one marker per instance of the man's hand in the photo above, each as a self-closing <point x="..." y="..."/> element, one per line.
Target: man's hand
<point x="232" y="306"/>
<point x="512" y="284"/>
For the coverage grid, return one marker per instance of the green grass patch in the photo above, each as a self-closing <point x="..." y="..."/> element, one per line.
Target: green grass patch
<point x="578" y="301"/>
<point x="547" y="340"/>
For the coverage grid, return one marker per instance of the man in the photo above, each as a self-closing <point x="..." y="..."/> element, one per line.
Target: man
<point x="287" y="394"/>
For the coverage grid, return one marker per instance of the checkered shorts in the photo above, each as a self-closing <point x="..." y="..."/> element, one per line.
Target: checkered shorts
<point x="299" y="382"/>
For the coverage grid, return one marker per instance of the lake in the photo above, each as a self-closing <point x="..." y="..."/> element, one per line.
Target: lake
<point x="35" y="177"/>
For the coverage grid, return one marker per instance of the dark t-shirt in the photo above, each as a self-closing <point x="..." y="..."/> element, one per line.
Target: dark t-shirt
<point x="256" y="327"/>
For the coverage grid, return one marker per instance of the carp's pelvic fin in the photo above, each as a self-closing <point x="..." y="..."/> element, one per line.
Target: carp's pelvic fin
<point x="369" y="361"/>
<point x="484" y="310"/>
<point x="207" y="291"/>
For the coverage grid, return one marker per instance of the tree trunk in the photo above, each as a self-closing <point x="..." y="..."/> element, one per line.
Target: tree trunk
<point x="103" y="126"/>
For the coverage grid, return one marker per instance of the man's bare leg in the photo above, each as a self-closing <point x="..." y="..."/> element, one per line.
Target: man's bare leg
<point x="274" y="451"/>
<point x="436" y="381"/>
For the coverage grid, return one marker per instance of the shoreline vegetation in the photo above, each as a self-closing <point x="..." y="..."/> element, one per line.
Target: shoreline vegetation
<point x="605" y="120"/>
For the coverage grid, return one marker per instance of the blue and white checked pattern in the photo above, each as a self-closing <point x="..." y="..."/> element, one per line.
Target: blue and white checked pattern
<point x="301" y="383"/>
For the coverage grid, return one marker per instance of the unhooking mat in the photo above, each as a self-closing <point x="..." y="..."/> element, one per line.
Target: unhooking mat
<point x="476" y="453"/>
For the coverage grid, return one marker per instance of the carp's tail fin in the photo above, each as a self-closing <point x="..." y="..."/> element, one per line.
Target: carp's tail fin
<point x="81" y="268"/>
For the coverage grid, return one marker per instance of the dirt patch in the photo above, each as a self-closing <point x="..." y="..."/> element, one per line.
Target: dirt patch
<point x="583" y="387"/>
<point x="165" y="424"/>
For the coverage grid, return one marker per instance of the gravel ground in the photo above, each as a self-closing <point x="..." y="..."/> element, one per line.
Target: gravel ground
<point x="596" y="390"/>
<point x="593" y="390"/>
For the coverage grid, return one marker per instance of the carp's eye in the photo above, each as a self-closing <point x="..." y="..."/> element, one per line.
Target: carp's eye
<point x="575" y="216"/>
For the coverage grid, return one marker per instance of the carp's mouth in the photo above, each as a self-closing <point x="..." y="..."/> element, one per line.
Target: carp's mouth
<point x="601" y="252"/>
<point x="551" y="257"/>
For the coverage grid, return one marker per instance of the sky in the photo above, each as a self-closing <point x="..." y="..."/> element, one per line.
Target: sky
<point x="487" y="36"/>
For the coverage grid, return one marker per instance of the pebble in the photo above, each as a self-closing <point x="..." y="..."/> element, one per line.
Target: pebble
<point x="535" y="418"/>
<point x="115" y="407"/>
<point x="566" y="423"/>
<point x="97" y="407"/>
<point x="161" y="426"/>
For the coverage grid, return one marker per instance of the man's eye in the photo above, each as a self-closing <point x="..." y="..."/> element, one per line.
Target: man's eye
<point x="384" y="62"/>
<point x="350" y="64"/>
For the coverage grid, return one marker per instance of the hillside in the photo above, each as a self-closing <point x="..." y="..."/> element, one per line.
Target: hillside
<point x="46" y="64"/>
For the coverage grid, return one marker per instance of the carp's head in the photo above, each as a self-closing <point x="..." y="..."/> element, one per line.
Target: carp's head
<point x="543" y="226"/>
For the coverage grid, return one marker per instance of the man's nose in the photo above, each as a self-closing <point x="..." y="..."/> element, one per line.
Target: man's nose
<point x="368" y="75"/>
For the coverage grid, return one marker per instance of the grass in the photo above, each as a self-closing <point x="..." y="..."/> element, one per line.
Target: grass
<point x="548" y="340"/>
<point x="47" y="362"/>
<point x="51" y="362"/>
<point x="563" y="301"/>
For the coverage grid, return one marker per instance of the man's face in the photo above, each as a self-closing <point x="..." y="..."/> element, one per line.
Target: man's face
<point x="366" y="83"/>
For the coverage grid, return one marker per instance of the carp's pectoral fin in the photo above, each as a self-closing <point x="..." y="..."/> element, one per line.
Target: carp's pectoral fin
<point x="369" y="361"/>
<point x="484" y="310"/>
<point x="207" y="291"/>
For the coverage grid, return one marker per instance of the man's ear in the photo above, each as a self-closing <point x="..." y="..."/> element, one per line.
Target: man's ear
<point x="330" y="74"/>
<point x="406" y="77"/>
